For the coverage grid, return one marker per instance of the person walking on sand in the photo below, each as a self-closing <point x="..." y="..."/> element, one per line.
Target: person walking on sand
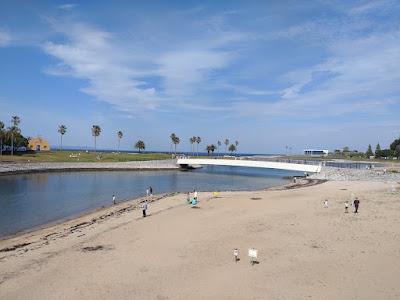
<point x="326" y="203"/>
<point x="346" y="206"/>
<point x="147" y="192"/>
<point x="356" y="204"/>
<point x="144" y="206"/>
<point x="151" y="191"/>
<point x="113" y="199"/>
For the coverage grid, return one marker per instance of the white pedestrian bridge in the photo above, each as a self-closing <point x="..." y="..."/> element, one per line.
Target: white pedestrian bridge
<point x="187" y="162"/>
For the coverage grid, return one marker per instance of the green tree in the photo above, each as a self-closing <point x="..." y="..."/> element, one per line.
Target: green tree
<point x="15" y="120"/>
<point x="397" y="151"/>
<point x="62" y="129"/>
<point x="96" y="130"/>
<point x="386" y="153"/>
<point x="369" y="152"/>
<point x="219" y="145"/>
<point x="175" y="140"/>
<point x="211" y="148"/>
<point x="140" y="145"/>
<point x="394" y="144"/>
<point x="232" y="148"/>
<point x="2" y="133"/>
<point x="236" y="144"/>
<point x="378" y="151"/>
<point x="337" y="152"/>
<point x="198" y="141"/>
<point x="226" y="142"/>
<point x="119" y="135"/>
<point x="192" y="140"/>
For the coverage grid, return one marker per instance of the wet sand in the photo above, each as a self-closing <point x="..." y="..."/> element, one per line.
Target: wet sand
<point x="305" y="251"/>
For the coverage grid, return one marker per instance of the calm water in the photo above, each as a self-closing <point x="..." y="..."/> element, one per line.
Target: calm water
<point x="28" y="201"/>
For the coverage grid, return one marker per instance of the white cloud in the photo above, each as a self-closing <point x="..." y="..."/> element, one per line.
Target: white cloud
<point x="124" y="74"/>
<point x="372" y="6"/>
<point x="93" y="55"/>
<point x="5" y="38"/>
<point x="362" y="77"/>
<point x="67" y="6"/>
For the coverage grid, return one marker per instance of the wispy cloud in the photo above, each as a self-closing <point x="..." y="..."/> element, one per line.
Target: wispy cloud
<point x="92" y="55"/>
<point x="67" y="6"/>
<point x="140" y="78"/>
<point x="5" y="38"/>
<point x="357" y="73"/>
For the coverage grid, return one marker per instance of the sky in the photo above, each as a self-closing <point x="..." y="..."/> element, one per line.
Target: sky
<point x="269" y="74"/>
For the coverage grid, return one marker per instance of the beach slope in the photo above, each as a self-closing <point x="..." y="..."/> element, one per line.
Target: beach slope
<point x="305" y="251"/>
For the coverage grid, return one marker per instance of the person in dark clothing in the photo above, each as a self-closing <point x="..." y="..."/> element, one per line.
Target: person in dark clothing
<point x="356" y="204"/>
<point x="151" y="191"/>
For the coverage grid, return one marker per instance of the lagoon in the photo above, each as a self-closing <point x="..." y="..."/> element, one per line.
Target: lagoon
<point x="29" y="201"/>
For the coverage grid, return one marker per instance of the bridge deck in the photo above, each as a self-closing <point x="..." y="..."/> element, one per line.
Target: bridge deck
<point x="251" y="164"/>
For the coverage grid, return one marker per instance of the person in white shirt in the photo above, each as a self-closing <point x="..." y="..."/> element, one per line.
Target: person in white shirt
<point x="113" y="199"/>
<point x="144" y="206"/>
<point x="326" y="203"/>
<point x="346" y="206"/>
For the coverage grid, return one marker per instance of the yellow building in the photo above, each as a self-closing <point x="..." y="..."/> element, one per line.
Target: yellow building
<point x="38" y="144"/>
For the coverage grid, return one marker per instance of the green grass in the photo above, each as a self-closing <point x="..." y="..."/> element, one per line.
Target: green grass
<point x="82" y="156"/>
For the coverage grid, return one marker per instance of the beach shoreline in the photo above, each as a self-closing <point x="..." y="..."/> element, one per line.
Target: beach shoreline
<point x="133" y="202"/>
<point x="302" y="244"/>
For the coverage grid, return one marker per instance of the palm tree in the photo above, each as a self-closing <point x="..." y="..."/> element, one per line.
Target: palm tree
<point x="96" y="130"/>
<point x="62" y="129"/>
<point x="211" y="148"/>
<point x="236" y="144"/>
<point x="140" y="145"/>
<point x="15" y="120"/>
<point x="172" y="137"/>
<point x="2" y="132"/>
<point x="175" y="140"/>
<point x="226" y="142"/>
<point x="120" y="135"/>
<point x="219" y="145"/>
<point x="232" y="148"/>
<point x="198" y="141"/>
<point x="192" y="140"/>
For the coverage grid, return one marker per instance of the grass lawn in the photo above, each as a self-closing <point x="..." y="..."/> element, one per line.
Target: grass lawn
<point x="82" y="156"/>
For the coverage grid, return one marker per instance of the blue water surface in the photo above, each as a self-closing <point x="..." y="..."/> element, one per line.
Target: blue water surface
<point x="32" y="200"/>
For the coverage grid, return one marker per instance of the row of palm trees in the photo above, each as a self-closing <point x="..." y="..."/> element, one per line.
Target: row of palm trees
<point x="12" y="130"/>
<point x="96" y="131"/>
<point x="175" y="140"/>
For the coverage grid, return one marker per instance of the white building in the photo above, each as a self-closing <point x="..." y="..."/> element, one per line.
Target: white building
<point x="316" y="152"/>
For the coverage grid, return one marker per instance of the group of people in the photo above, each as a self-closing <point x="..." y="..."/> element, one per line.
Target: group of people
<point x="356" y="204"/>
<point x="149" y="191"/>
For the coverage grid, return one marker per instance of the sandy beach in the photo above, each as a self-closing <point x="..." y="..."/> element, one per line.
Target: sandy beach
<point x="305" y="251"/>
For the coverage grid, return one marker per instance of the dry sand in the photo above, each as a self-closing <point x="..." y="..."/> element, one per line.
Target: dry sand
<point x="306" y="251"/>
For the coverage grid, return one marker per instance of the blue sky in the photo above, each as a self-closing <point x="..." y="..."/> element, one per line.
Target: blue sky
<point x="320" y="74"/>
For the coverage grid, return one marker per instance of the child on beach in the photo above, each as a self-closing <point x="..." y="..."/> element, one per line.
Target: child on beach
<point x="113" y="199"/>
<point x="346" y="206"/>
<point x="326" y="203"/>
